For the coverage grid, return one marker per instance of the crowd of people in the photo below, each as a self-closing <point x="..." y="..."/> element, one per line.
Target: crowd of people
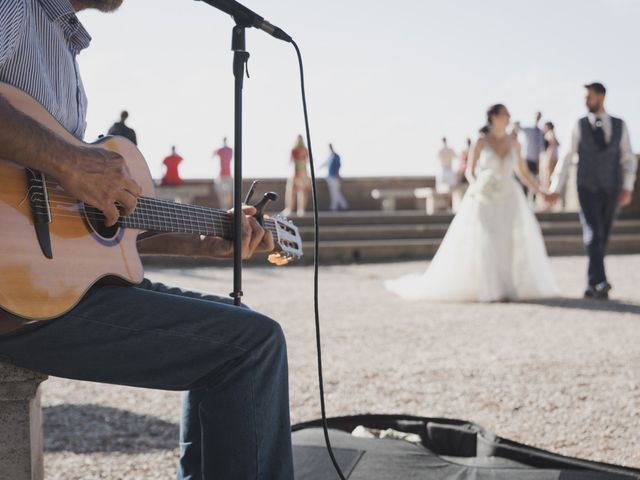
<point x="298" y="184"/>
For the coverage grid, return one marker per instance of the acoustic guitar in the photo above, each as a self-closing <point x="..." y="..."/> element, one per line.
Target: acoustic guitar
<point x="53" y="248"/>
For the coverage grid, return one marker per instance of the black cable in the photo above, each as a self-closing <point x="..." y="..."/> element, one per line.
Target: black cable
<point x="316" y="262"/>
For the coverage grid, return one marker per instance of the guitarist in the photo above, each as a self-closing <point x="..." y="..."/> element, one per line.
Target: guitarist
<point x="231" y="362"/>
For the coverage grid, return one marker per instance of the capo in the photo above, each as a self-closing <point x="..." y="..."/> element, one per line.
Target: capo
<point x="261" y="205"/>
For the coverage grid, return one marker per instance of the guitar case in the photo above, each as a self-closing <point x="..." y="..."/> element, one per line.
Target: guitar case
<point x="439" y="449"/>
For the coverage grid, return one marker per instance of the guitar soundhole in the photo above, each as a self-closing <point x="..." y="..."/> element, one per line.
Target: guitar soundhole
<point x="95" y="219"/>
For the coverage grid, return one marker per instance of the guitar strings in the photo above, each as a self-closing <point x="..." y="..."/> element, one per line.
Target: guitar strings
<point x="148" y="213"/>
<point x="168" y="203"/>
<point x="55" y="191"/>
<point x="174" y="228"/>
<point x="142" y="213"/>
<point x="164" y="214"/>
<point x="175" y="212"/>
<point x="162" y="221"/>
<point x="187" y="208"/>
<point x="144" y="203"/>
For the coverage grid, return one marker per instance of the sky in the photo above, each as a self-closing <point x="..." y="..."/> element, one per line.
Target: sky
<point x="385" y="80"/>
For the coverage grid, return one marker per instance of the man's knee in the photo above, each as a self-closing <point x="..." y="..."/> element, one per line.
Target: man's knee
<point x="266" y="331"/>
<point x="275" y="334"/>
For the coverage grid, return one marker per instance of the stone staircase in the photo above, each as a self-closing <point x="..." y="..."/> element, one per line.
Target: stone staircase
<point x="412" y="235"/>
<point x="375" y="236"/>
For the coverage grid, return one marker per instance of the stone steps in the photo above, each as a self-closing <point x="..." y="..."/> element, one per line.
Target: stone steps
<point x="412" y="235"/>
<point x="426" y="231"/>
<point x="346" y="251"/>
<point x="406" y="217"/>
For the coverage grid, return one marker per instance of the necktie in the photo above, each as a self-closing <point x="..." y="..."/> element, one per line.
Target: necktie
<point x="598" y="134"/>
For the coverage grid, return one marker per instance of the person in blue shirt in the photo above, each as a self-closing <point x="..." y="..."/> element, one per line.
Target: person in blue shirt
<point x="334" y="183"/>
<point x="534" y="146"/>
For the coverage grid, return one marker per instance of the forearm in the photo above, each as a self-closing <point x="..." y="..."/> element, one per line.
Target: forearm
<point x="561" y="173"/>
<point x="188" y="245"/>
<point x="629" y="168"/>
<point x="28" y="143"/>
<point x="470" y="174"/>
<point x="628" y="161"/>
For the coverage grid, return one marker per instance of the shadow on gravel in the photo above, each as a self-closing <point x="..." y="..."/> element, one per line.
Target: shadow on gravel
<point x="92" y="428"/>
<point x="586" y="304"/>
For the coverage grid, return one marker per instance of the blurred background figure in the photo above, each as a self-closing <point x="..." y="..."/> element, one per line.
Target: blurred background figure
<point x="171" y="176"/>
<point x="446" y="178"/>
<point x="549" y="158"/>
<point x="446" y="156"/>
<point x="462" y="182"/>
<point x="299" y="184"/>
<point x="334" y="183"/>
<point x="121" y="129"/>
<point x="461" y="176"/>
<point x="224" y="183"/>
<point x="534" y="145"/>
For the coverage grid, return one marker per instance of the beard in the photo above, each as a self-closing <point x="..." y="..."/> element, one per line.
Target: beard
<point x="102" y="5"/>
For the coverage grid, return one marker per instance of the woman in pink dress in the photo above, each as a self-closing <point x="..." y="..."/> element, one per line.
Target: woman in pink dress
<point x="299" y="184"/>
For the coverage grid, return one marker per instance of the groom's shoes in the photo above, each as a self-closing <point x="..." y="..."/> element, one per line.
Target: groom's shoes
<point x="599" y="291"/>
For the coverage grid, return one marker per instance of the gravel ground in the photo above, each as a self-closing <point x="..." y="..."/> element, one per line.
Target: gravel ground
<point x="563" y="375"/>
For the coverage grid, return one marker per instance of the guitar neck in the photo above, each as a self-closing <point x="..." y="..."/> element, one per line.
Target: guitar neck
<point x="158" y="215"/>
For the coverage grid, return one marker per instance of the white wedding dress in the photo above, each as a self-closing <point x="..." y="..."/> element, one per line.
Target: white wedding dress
<point x="493" y="249"/>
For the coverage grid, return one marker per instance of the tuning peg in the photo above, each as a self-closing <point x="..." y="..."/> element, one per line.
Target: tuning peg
<point x="278" y="259"/>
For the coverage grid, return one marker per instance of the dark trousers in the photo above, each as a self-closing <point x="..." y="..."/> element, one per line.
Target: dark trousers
<point x="533" y="167"/>
<point x="230" y="361"/>
<point x="597" y="212"/>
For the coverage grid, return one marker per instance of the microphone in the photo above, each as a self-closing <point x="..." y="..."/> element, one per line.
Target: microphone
<point x="244" y="16"/>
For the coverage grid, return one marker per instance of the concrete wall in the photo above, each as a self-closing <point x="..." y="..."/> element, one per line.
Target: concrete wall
<point x="357" y="190"/>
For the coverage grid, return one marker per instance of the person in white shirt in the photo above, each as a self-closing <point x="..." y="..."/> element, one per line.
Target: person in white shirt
<point x="447" y="178"/>
<point x="606" y="176"/>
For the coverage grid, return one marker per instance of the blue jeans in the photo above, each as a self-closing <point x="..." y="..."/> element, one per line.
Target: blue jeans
<point x="597" y="212"/>
<point x="231" y="363"/>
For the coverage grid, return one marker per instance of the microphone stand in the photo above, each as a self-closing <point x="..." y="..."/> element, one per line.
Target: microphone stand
<point x="240" y="59"/>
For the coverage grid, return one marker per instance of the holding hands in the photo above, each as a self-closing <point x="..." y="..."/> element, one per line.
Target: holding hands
<point x="625" y="198"/>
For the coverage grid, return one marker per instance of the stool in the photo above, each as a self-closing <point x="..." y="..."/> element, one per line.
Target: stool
<point x="21" y="440"/>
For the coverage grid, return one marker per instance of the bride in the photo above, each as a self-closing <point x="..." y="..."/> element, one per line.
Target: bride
<point x="493" y="249"/>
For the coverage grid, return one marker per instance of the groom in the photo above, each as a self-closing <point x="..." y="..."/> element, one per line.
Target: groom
<point x="606" y="176"/>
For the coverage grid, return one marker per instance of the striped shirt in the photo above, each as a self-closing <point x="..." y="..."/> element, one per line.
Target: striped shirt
<point x="39" y="42"/>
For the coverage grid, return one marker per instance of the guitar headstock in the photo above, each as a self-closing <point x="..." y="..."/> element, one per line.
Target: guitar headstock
<point x="287" y="239"/>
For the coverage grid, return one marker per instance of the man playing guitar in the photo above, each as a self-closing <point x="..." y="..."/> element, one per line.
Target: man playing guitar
<point x="231" y="362"/>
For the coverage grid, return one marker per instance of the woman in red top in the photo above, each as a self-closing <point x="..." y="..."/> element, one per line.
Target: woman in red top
<point x="298" y="185"/>
<point x="172" y="177"/>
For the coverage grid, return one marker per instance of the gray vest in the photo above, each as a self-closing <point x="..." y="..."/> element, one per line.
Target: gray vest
<point x="599" y="169"/>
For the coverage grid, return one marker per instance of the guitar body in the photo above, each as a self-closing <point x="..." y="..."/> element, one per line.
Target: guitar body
<point x="33" y="286"/>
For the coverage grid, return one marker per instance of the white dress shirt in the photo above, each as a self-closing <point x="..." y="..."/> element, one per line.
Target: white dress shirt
<point x="628" y="160"/>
